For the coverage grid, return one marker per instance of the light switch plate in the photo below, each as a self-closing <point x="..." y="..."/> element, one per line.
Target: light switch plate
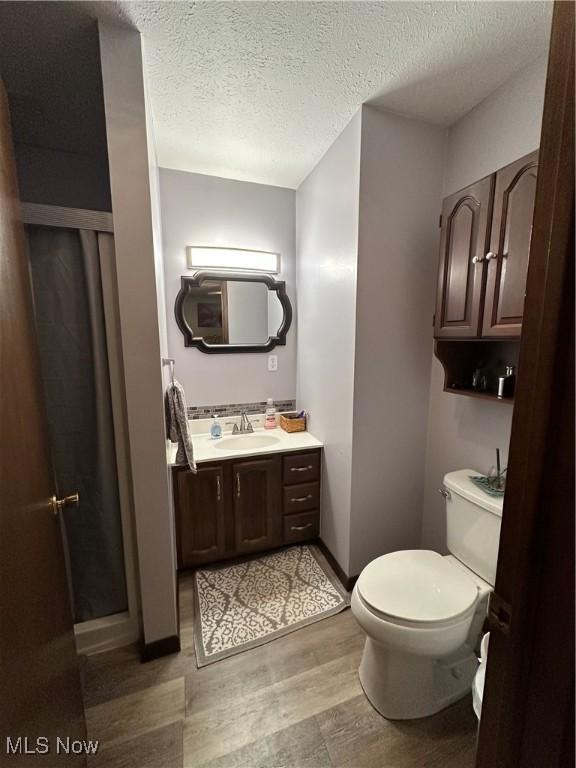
<point x="272" y="362"/>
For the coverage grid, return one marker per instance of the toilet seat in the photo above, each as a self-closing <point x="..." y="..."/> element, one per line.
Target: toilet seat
<point x="416" y="588"/>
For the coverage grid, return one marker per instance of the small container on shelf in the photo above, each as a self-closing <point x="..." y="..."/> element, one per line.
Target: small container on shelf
<point x="506" y="383"/>
<point x="480" y="379"/>
<point x="293" y="422"/>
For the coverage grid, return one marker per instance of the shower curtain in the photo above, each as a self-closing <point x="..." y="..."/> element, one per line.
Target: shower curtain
<point x="70" y="321"/>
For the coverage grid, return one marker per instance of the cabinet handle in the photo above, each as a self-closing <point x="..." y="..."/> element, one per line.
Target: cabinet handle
<point x="301" y="498"/>
<point x="300" y="469"/>
<point x="218" y="489"/>
<point x="238" y="484"/>
<point x="479" y="259"/>
<point x="300" y="527"/>
<point x="491" y="255"/>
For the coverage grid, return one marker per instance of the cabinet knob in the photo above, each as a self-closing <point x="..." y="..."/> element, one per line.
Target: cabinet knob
<point x="478" y="259"/>
<point x="491" y="255"/>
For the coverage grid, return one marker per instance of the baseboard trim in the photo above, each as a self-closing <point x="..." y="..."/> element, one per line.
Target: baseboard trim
<point x="346" y="581"/>
<point x="106" y="634"/>
<point x="159" y="648"/>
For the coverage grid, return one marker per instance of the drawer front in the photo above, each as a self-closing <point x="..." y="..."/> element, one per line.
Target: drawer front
<point x="300" y="527"/>
<point x="298" y="498"/>
<point x="301" y="468"/>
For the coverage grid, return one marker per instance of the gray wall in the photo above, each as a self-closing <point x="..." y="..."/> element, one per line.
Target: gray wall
<point x="502" y="128"/>
<point x="367" y="234"/>
<point x="400" y="181"/>
<point x="55" y="177"/>
<point x="206" y="210"/>
<point x="140" y="295"/>
<point x="463" y="432"/>
<point x="327" y="247"/>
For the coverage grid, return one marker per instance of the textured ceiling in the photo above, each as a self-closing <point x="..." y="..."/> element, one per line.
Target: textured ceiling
<point x="259" y="90"/>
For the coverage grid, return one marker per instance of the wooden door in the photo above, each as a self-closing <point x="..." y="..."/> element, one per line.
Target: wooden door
<point x="463" y="246"/>
<point x="257" y="496"/>
<point x="514" y="196"/>
<point x="528" y="706"/>
<point x="39" y="673"/>
<point x="200" y="516"/>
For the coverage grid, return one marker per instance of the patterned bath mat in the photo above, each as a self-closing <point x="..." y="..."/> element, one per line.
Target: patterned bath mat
<point x="241" y="606"/>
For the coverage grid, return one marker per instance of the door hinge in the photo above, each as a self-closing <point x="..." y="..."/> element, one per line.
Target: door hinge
<point x="499" y="614"/>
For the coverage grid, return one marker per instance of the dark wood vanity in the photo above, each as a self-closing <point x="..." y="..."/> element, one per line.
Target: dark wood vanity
<point x="239" y="506"/>
<point x="484" y="249"/>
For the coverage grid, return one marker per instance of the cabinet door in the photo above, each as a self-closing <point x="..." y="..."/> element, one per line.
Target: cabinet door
<point x="257" y="504"/>
<point x="463" y="245"/>
<point x="200" y="515"/>
<point x="510" y="247"/>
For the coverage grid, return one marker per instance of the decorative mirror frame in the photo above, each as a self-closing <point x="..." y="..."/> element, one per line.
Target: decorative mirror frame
<point x="188" y="283"/>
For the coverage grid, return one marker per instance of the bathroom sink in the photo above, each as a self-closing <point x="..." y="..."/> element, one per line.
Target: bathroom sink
<point x="246" y="442"/>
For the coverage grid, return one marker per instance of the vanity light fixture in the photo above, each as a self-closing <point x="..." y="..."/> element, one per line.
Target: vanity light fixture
<point x="237" y="259"/>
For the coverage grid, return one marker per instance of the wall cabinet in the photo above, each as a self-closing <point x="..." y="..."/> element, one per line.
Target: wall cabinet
<point x="239" y="506"/>
<point x="463" y="243"/>
<point x="484" y="249"/>
<point x="507" y="269"/>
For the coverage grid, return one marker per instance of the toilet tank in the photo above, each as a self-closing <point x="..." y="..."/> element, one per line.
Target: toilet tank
<point x="472" y="524"/>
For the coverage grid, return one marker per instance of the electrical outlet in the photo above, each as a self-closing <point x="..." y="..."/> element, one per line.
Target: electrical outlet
<point x="272" y="362"/>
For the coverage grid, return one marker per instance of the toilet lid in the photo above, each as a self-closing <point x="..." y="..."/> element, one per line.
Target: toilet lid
<point x="416" y="585"/>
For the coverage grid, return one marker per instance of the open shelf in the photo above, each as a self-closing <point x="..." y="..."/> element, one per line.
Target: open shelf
<point x="469" y="392"/>
<point x="462" y="357"/>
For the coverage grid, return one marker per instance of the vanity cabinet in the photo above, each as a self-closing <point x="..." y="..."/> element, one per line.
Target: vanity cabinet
<point x="257" y="505"/>
<point x="201" y="537"/>
<point x="484" y="249"/>
<point x="240" y="506"/>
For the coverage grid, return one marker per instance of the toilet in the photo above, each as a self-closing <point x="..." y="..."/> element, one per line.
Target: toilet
<point x="423" y="612"/>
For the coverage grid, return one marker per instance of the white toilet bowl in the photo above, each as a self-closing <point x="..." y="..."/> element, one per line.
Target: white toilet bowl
<point x="418" y="609"/>
<point x="423" y="613"/>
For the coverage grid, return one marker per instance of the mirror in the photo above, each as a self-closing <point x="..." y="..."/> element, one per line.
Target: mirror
<point x="221" y="312"/>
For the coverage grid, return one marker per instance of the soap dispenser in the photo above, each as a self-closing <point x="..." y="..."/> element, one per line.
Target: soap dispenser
<point x="215" y="428"/>
<point x="270" y="421"/>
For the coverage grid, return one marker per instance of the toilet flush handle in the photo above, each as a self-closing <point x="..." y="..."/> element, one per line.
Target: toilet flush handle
<point x="445" y="493"/>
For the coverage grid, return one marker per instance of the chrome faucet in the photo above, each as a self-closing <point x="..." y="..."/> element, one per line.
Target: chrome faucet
<point x="245" y="425"/>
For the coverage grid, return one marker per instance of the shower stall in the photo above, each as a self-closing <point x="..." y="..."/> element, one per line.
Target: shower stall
<point x="71" y="257"/>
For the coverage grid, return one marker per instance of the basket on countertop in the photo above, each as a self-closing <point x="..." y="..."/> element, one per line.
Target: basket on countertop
<point x="291" y="422"/>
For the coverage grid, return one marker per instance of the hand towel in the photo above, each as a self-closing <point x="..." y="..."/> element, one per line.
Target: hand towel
<point x="177" y="424"/>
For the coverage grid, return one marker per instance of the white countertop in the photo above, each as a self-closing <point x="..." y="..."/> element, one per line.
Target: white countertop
<point x="207" y="449"/>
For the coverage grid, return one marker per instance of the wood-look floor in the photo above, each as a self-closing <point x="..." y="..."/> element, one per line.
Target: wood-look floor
<point x="293" y="703"/>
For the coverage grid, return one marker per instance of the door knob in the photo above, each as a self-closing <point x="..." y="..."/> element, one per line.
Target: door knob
<point x="66" y="501"/>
